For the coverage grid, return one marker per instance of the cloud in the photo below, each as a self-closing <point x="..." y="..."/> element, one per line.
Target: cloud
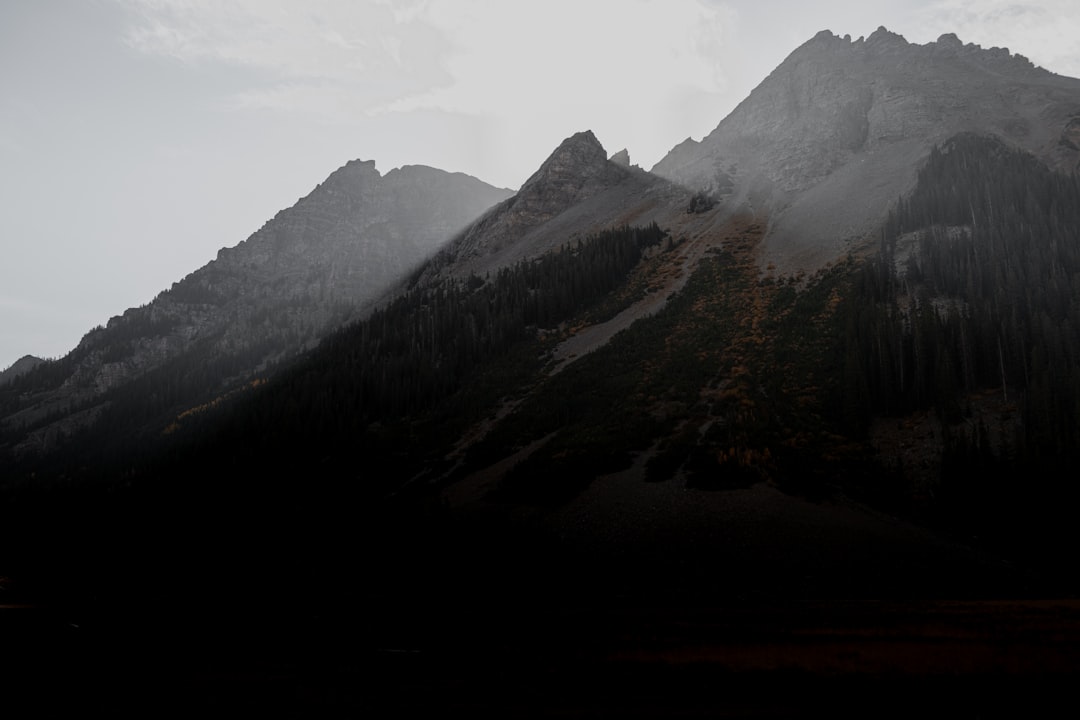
<point x="318" y="56"/>
<point x="1045" y="32"/>
<point x="587" y="52"/>
<point x="628" y="69"/>
<point x="642" y="73"/>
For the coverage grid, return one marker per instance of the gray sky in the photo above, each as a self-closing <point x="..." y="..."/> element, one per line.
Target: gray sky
<point x="137" y="137"/>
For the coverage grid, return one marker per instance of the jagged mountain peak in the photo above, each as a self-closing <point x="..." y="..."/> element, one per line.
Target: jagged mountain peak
<point x="890" y="47"/>
<point x="354" y="182"/>
<point x="842" y="118"/>
<point x="578" y="157"/>
<point x="576" y="170"/>
<point x="584" y="141"/>
<point x="576" y="190"/>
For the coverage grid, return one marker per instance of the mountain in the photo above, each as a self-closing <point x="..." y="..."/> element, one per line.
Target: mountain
<point x="576" y="191"/>
<point x="606" y="326"/>
<point x="624" y="424"/>
<point x="310" y="269"/>
<point x="835" y="134"/>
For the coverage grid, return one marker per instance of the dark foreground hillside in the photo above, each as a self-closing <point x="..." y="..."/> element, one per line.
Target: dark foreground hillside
<point x="739" y="553"/>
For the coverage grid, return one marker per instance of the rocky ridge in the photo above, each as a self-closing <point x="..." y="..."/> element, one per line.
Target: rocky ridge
<point x="840" y="119"/>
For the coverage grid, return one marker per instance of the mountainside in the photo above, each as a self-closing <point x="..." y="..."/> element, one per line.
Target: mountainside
<point x="833" y="136"/>
<point x="308" y="270"/>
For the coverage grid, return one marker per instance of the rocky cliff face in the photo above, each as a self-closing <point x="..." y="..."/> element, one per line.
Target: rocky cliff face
<point x="837" y="131"/>
<point x="311" y="268"/>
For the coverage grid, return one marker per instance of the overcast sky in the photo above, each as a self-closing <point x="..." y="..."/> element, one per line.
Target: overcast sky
<point x="137" y="137"/>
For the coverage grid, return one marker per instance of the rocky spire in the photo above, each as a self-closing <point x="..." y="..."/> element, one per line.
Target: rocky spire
<point x="575" y="171"/>
<point x="578" y="157"/>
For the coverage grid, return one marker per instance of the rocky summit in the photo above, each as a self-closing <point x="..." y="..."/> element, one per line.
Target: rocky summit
<point x="576" y="191"/>
<point x="829" y="140"/>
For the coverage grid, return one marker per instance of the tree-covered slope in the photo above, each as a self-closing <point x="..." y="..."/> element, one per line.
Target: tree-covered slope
<point x="970" y="310"/>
